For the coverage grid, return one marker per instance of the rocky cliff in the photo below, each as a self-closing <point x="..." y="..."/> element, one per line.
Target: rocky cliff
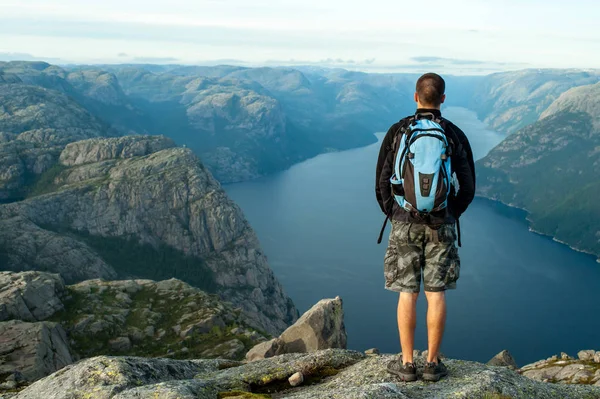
<point x="551" y="169"/>
<point x="139" y="207"/>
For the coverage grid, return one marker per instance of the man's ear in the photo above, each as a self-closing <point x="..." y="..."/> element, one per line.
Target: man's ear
<point x="443" y="98"/>
<point x="416" y="97"/>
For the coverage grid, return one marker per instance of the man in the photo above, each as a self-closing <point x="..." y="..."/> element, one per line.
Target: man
<point x="417" y="249"/>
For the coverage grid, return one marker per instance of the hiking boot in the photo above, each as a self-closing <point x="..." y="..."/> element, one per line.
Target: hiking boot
<point x="407" y="372"/>
<point x="434" y="371"/>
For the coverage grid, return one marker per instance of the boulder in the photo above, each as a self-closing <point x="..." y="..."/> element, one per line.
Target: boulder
<point x="597" y="357"/>
<point x="33" y="350"/>
<point x="586" y="355"/>
<point x="266" y="349"/>
<point x="321" y="327"/>
<point x="503" y="359"/>
<point x="30" y="296"/>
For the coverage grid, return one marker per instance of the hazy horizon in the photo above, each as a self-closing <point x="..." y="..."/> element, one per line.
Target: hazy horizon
<point x="465" y="38"/>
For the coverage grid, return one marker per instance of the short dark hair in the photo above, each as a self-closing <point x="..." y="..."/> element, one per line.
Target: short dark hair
<point x="431" y="88"/>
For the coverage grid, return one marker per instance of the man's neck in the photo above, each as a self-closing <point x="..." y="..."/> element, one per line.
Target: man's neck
<point x="434" y="111"/>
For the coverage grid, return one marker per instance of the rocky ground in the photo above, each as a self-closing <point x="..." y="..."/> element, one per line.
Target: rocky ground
<point x="565" y="369"/>
<point x="333" y="373"/>
<point x="153" y="319"/>
<point x="45" y="325"/>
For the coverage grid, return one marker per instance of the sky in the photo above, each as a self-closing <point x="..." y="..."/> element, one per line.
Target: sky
<point x="456" y="36"/>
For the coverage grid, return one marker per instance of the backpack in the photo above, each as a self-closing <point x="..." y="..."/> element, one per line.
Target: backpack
<point x="421" y="182"/>
<point x="422" y="178"/>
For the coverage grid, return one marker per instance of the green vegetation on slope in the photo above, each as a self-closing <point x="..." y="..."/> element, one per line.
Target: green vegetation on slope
<point x="551" y="169"/>
<point x="153" y="319"/>
<point x="133" y="259"/>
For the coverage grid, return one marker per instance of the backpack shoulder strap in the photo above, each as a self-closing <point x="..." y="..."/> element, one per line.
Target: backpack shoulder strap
<point x="402" y="130"/>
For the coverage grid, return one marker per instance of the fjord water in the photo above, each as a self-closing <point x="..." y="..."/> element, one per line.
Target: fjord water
<point x="318" y="223"/>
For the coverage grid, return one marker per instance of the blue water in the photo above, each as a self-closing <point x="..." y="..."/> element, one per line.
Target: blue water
<point x="318" y="223"/>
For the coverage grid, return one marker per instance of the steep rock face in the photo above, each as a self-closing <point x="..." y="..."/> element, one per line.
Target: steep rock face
<point x="509" y="101"/>
<point x="550" y="169"/>
<point x="26" y="246"/>
<point x="32" y="350"/>
<point x="166" y="203"/>
<point x="332" y="373"/>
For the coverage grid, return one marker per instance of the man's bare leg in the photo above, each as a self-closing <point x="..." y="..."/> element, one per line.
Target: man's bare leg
<point x="407" y="322"/>
<point x="436" y="321"/>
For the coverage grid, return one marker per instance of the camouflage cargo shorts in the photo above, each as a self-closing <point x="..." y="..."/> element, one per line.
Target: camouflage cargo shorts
<point x="414" y="253"/>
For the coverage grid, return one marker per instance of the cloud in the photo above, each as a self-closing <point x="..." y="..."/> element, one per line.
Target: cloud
<point x="155" y="60"/>
<point x="453" y="61"/>
<point x="122" y="55"/>
<point x="6" y="56"/>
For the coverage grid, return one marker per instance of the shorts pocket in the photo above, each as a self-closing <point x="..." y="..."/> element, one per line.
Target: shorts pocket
<point x="390" y="265"/>
<point x="453" y="272"/>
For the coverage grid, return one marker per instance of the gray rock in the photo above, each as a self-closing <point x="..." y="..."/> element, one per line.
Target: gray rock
<point x="583" y="376"/>
<point x="597" y="357"/>
<point x="586" y="355"/>
<point x="120" y="344"/>
<point x="372" y="351"/>
<point x="34" y="350"/>
<point x="97" y="150"/>
<point x="105" y="377"/>
<point x="568" y="372"/>
<point x="266" y="349"/>
<point x="544" y="374"/>
<point x="565" y="356"/>
<point x="296" y="379"/>
<point x="503" y="359"/>
<point x="321" y="327"/>
<point x="30" y="296"/>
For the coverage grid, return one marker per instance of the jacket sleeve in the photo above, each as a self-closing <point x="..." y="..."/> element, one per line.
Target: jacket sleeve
<point x="464" y="167"/>
<point x="383" y="190"/>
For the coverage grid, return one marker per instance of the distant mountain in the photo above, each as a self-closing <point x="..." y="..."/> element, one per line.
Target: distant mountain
<point x="509" y="101"/>
<point x="248" y="122"/>
<point x="551" y="169"/>
<point x="242" y="122"/>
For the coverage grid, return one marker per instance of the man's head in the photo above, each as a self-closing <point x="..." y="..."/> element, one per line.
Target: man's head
<point x="430" y="91"/>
